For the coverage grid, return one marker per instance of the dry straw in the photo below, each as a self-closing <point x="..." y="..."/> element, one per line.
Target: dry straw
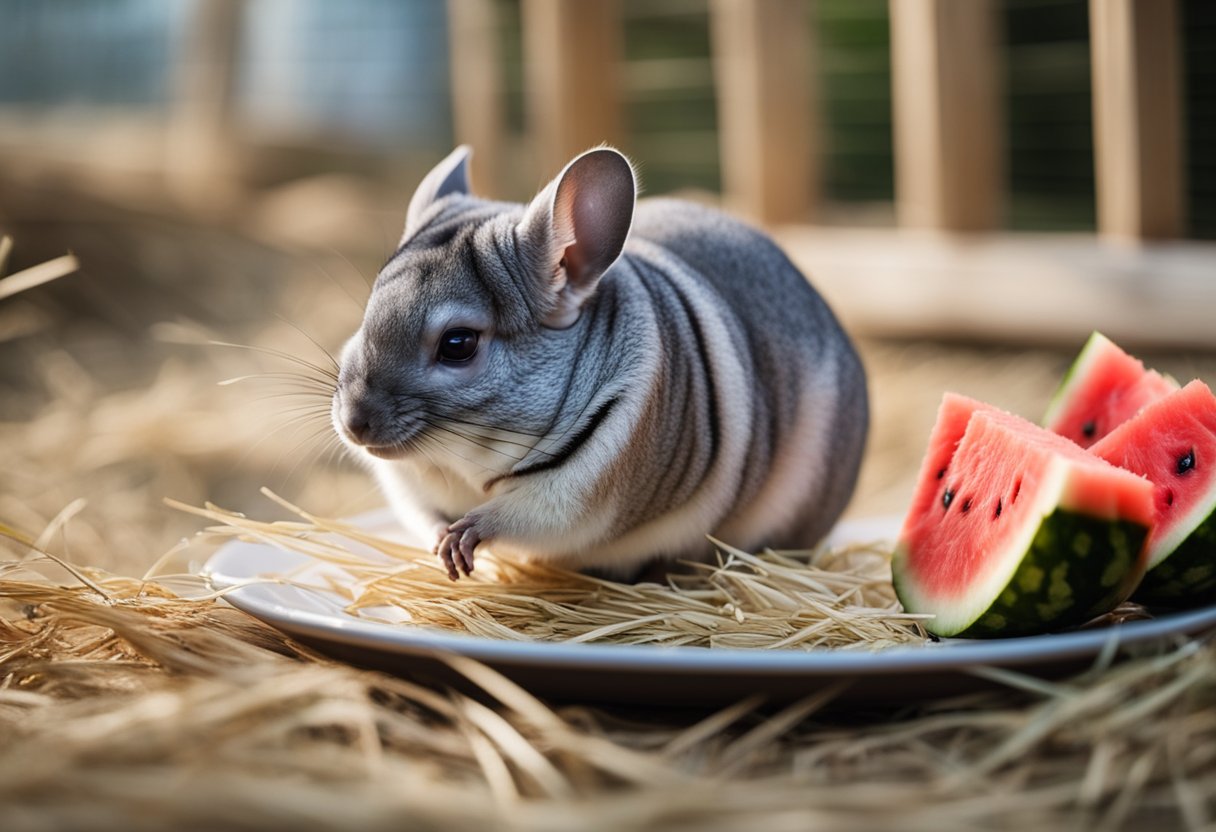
<point x="33" y="276"/>
<point x="827" y="598"/>
<point x="125" y="705"/>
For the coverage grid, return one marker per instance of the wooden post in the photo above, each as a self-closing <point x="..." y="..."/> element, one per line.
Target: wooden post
<point x="765" y="110"/>
<point x="477" y="89"/>
<point x="1137" y="117"/>
<point x="201" y="146"/>
<point x="948" y="148"/>
<point x="572" y="55"/>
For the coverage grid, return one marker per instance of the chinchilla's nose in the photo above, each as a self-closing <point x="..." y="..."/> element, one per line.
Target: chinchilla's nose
<point x="357" y="419"/>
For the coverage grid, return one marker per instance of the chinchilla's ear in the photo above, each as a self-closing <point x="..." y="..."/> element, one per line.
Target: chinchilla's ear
<point x="576" y="227"/>
<point x="451" y="176"/>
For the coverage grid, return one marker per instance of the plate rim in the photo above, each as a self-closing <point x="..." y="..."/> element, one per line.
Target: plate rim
<point x="228" y="569"/>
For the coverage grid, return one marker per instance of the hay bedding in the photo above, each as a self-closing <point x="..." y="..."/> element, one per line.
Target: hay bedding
<point x="125" y="704"/>
<point x="829" y="598"/>
<point x="146" y="704"/>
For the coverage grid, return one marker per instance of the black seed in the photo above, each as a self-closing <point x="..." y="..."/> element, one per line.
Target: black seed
<point x="998" y="508"/>
<point x="941" y="473"/>
<point x="1089" y="429"/>
<point x="947" y="498"/>
<point x="1186" y="463"/>
<point x="966" y="505"/>
<point x="1169" y="498"/>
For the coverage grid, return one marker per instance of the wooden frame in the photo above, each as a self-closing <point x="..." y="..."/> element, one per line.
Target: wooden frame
<point x="945" y="273"/>
<point x="572" y="57"/>
<point x="765" y="110"/>
<point x="1017" y="288"/>
<point x="1137" y="118"/>
<point x="477" y="90"/>
<point x="948" y="131"/>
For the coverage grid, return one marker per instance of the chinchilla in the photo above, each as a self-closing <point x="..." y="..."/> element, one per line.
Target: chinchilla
<point x="598" y="382"/>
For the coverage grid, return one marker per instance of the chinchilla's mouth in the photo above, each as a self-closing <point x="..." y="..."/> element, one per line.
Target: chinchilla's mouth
<point x="393" y="451"/>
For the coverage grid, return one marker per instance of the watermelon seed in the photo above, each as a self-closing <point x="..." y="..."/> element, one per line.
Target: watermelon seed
<point x="966" y="505"/>
<point x="1169" y="497"/>
<point x="1089" y="429"/>
<point x="941" y="473"/>
<point x="1186" y="463"/>
<point x="947" y="498"/>
<point x="998" y="508"/>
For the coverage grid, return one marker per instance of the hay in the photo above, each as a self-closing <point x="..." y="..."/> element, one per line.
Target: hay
<point x="127" y="705"/>
<point x="27" y="279"/>
<point x="827" y="598"/>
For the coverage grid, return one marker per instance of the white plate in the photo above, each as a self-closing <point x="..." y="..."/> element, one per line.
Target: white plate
<point x="668" y="675"/>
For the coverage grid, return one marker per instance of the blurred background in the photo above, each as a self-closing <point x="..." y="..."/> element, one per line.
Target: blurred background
<point x="975" y="185"/>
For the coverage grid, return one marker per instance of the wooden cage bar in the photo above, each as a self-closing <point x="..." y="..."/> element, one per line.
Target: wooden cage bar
<point x="572" y="64"/>
<point x="478" y="105"/>
<point x="948" y="125"/>
<point x="949" y="148"/>
<point x="762" y="80"/>
<point x="1137" y="117"/>
<point x="201" y="145"/>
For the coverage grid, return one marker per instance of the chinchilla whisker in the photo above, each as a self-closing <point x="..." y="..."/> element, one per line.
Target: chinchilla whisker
<point x="497" y="432"/>
<point x="473" y="441"/>
<point x="322" y="452"/>
<point x="447" y="448"/>
<point x="420" y="443"/>
<point x="334" y="449"/>
<point x="319" y="409"/>
<point x="532" y="447"/>
<point x="326" y="393"/>
<point x="303" y="399"/>
<point x="483" y="426"/>
<point x="337" y="456"/>
<point x="333" y="361"/>
<point x="437" y="404"/>
<point x="299" y="423"/>
<point x="304" y="417"/>
<point x="486" y="437"/>
<point x="298" y="399"/>
<point x="314" y="398"/>
<point x="362" y="304"/>
<point x="353" y="267"/>
<point x="286" y="356"/>
<point x="281" y="378"/>
<point x="310" y="439"/>
<point x="311" y="378"/>
<point x="284" y="390"/>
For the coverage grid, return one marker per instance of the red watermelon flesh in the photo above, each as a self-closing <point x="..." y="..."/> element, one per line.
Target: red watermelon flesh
<point x="1172" y="442"/>
<point x="1104" y="388"/>
<point x="1013" y="529"/>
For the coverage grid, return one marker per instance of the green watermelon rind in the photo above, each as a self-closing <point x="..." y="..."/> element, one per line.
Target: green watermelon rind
<point x="1077" y="371"/>
<point x="1184" y="575"/>
<point x="1076" y="567"/>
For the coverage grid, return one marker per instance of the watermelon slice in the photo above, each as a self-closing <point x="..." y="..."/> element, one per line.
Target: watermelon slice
<point x="1104" y="388"/>
<point x="1015" y="530"/>
<point x="1173" y="443"/>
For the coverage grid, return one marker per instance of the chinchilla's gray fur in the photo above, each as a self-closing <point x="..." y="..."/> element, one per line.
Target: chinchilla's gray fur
<point x="642" y="377"/>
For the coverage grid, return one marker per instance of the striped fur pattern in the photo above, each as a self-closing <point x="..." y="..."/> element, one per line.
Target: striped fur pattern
<point x="642" y="378"/>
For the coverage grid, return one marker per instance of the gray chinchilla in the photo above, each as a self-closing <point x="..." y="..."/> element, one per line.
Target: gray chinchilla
<point x="598" y="384"/>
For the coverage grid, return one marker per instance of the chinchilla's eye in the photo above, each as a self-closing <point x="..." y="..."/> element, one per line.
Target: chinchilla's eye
<point x="457" y="345"/>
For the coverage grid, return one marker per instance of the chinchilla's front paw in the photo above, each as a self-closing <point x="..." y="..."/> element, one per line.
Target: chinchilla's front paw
<point x="456" y="545"/>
